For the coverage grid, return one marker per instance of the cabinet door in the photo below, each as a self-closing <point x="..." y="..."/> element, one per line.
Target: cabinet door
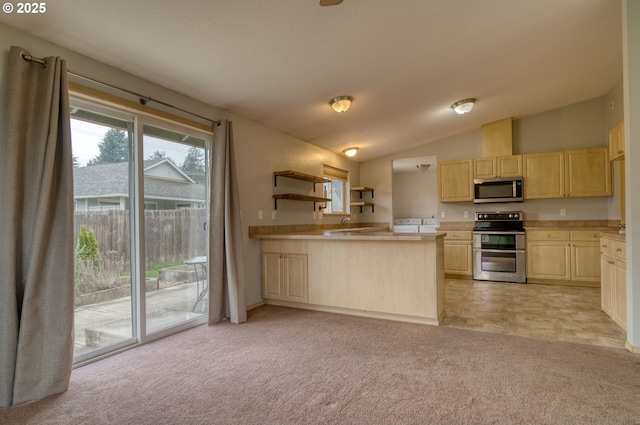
<point x="588" y="172"/>
<point x="549" y="260"/>
<point x="544" y="175"/>
<point x="616" y="142"/>
<point x="455" y="182"/>
<point x="620" y="294"/>
<point x="272" y="277"/>
<point x="484" y="168"/>
<point x="585" y="261"/>
<point x="295" y="277"/>
<point x="458" y="258"/>
<point x="509" y="166"/>
<point x="607" y="270"/>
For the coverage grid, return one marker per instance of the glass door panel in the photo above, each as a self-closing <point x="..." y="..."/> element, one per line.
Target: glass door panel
<point x="103" y="307"/>
<point x="175" y="235"/>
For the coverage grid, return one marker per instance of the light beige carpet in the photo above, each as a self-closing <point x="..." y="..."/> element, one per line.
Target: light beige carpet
<point x="288" y="366"/>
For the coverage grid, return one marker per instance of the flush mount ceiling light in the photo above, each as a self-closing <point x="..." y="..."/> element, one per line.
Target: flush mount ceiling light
<point x="350" y="152"/>
<point x="340" y="104"/>
<point x="464" y="106"/>
<point x="423" y="167"/>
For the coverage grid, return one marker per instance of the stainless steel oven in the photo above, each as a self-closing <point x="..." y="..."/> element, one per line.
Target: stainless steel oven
<point x="499" y="247"/>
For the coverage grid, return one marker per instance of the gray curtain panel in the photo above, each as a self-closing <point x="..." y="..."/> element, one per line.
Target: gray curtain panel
<point x="226" y="255"/>
<point x="36" y="226"/>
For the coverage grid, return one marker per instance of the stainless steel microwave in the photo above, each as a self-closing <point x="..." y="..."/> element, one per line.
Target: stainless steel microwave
<point x="497" y="190"/>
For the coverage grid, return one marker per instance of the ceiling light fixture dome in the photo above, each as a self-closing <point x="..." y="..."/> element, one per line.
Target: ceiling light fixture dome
<point x="340" y="104"/>
<point x="350" y="152"/>
<point x="464" y="106"/>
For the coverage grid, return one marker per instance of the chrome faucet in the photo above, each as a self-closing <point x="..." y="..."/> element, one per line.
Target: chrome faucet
<point x="343" y="222"/>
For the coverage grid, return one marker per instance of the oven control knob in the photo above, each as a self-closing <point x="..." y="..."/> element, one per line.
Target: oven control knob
<point x="511" y="215"/>
<point x="516" y="215"/>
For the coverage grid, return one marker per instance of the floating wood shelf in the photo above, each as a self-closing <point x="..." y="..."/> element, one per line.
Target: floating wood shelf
<point x="299" y="176"/>
<point x="304" y="198"/>
<point x="363" y="204"/>
<point x="361" y="190"/>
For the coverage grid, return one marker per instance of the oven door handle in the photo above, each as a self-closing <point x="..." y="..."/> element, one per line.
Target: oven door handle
<point x="504" y="251"/>
<point x="485" y="232"/>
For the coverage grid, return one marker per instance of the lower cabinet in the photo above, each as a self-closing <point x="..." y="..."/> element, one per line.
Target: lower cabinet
<point x="613" y="291"/>
<point x="284" y="275"/>
<point x="458" y="254"/>
<point x="563" y="256"/>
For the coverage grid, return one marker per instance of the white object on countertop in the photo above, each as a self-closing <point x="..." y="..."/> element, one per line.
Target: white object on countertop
<point x="417" y="221"/>
<point x="428" y="228"/>
<point x="406" y="228"/>
<point x="430" y="221"/>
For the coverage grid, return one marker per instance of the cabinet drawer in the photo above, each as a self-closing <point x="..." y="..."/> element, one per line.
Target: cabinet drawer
<point x="606" y="246"/>
<point x="292" y="246"/>
<point x="585" y="235"/>
<point x="548" y="235"/>
<point x="619" y="250"/>
<point x="458" y="235"/>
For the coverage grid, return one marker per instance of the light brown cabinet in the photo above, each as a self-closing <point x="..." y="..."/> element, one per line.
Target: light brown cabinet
<point x="458" y="254"/>
<point x="455" y="181"/>
<point x="544" y="175"/>
<point x="563" y="256"/>
<point x="575" y="173"/>
<point x="284" y="273"/>
<point x="616" y="142"/>
<point x="588" y="173"/>
<point x="501" y="166"/>
<point x="613" y="291"/>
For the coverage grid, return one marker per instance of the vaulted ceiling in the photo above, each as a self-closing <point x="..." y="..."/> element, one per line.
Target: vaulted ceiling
<point x="404" y="62"/>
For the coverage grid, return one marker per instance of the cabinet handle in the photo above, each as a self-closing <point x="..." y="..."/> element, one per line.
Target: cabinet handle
<point x="604" y="246"/>
<point x="618" y="249"/>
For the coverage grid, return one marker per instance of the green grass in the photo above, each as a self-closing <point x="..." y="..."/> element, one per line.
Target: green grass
<point x="152" y="272"/>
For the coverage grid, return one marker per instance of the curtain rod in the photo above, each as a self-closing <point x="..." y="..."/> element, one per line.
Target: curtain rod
<point x="143" y="99"/>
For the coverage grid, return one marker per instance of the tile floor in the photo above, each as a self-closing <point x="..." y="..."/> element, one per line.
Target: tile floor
<point x="552" y="312"/>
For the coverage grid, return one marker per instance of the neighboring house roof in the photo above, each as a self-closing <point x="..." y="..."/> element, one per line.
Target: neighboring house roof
<point x="163" y="180"/>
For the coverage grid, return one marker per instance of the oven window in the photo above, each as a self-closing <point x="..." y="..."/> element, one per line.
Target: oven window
<point x="498" y="241"/>
<point x="498" y="262"/>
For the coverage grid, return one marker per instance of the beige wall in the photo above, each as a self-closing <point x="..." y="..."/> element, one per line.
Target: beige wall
<point x="582" y="125"/>
<point x="259" y="150"/>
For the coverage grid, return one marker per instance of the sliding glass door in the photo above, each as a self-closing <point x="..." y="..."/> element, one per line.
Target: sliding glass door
<point x="175" y="236"/>
<point x="141" y="202"/>
<point x="104" y="314"/>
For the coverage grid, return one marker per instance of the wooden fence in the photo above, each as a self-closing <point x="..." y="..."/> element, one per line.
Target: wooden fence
<point x="171" y="236"/>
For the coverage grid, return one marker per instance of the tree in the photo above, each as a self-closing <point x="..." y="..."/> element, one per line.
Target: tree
<point x="87" y="247"/>
<point x="193" y="164"/>
<point x="158" y="155"/>
<point x="113" y="148"/>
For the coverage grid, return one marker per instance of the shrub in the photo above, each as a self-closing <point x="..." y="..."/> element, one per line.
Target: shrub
<point x="87" y="247"/>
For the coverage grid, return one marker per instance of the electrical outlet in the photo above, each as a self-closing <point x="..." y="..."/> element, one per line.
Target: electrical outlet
<point x="273" y="215"/>
<point x="563" y="211"/>
<point x="466" y="214"/>
<point x="259" y="214"/>
<point x="443" y="214"/>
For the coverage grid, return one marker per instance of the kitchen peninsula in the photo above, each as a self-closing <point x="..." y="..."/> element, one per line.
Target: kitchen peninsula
<point x="369" y="272"/>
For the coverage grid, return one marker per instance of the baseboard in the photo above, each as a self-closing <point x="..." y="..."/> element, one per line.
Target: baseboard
<point x="356" y="312"/>
<point x="256" y="305"/>
<point x="634" y="350"/>
<point x="582" y="283"/>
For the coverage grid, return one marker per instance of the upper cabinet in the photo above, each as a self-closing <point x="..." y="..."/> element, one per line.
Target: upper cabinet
<point x="575" y="173"/>
<point x="588" y="172"/>
<point x="616" y="142"/>
<point x="455" y="181"/>
<point x="501" y="166"/>
<point x="543" y="175"/>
